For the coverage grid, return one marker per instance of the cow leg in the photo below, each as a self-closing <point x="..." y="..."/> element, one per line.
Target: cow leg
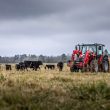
<point x="35" y="69"/>
<point x="39" y="68"/>
<point x="26" y="69"/>
<point x="45" y="68"/>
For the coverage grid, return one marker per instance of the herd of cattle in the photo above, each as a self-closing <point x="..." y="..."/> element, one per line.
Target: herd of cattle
<point x="34" y="65"/>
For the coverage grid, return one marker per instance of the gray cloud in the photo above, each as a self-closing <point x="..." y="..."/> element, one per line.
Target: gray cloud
<point x="52" y="26"/>
<point x="30" y="8"/>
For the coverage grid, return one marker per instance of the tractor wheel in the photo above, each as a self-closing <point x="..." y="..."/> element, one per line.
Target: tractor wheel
<point x="94" y="66"/>
<point x="105" y="66"/>
<point x="72" y="69"/>
<point x="83" y="69"/>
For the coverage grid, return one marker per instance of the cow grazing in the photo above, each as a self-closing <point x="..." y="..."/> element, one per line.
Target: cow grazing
<point x="0" y="67"/>
<point x="21" y="66"/>
<point x="8" y="67"/>
<point x="35" y="65"/>
<point x="27" y="63"/>
<point x="17" y="67"/>
<point x="60" y="66"/>
<point x="52" y="67"/>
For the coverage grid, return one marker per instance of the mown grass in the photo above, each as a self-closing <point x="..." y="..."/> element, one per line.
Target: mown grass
<point x="53" y="90"/>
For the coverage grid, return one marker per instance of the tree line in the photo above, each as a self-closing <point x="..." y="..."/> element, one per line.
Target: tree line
<point x="46" y="59"/>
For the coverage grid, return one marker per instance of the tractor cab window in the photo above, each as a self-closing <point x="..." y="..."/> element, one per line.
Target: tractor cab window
<point x="84" y="49"/>
<point x="106" y="52"/>
<point x="78" y="47"/>
<point x="90" y="48"/>
<point x="99" y="50"/>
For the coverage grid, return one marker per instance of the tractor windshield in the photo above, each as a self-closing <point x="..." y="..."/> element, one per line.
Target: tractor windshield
<point x="91" y="48"/>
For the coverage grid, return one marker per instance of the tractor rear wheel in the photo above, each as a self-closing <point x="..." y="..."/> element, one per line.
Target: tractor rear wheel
<point x="94" y="66"/>
<point x="105" y="65"/>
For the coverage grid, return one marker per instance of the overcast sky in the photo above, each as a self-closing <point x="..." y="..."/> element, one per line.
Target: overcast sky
<point x="52" y="27"/>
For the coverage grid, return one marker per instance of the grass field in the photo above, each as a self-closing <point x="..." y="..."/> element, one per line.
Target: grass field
<point x="54" y="90"/>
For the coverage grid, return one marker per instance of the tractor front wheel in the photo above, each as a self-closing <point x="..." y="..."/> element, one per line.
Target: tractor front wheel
<point x="94" y="66"/>
<point x="74" y="69"/>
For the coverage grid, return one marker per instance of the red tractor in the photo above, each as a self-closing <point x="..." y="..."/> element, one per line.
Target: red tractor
<point x="89" y="57"/>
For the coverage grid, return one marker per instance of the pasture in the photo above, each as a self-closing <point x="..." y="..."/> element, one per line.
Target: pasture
<point x="53" y="90"/>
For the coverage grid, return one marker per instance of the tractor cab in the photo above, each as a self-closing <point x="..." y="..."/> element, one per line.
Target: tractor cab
<point x="96" y="48"/>
<point x="90" y="55"/>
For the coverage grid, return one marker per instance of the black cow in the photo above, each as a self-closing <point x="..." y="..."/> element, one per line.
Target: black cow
<point x="17" y="67"/>
<point x="35" y="65"/>
<point x="60" y="66"/>
<point x="21" y="66"/>
<point x="8" y="67"/>
<point x="27" y="63"/>
<point x="52" y="67"/>
<point x="0" y="67"/>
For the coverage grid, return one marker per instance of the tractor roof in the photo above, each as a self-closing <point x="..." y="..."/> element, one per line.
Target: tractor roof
<point x="95" y="44"/>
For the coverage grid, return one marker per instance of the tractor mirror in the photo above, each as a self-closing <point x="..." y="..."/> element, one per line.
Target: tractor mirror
<point x="100" y="47"/>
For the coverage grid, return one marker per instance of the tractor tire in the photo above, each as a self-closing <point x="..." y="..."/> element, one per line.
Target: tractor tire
<point x="105" y="65"/>
<point x="72" y="69"/>
<point x="94" y="66"/>
<point x="83" y="70"/>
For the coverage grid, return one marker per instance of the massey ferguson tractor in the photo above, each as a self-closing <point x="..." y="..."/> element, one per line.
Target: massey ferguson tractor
<point x="89" y="58"/>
